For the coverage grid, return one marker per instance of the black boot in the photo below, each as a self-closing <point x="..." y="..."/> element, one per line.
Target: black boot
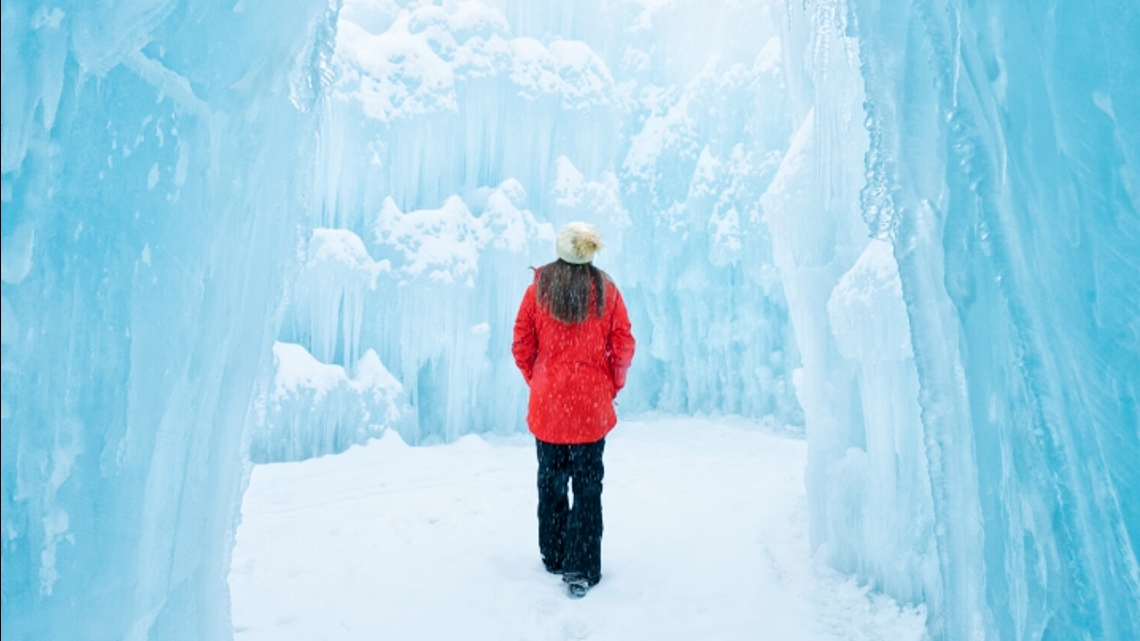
<point x="576" y="588"/>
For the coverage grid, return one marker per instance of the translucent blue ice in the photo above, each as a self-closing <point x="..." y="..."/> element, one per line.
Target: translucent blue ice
<point x="459" y="138"/>
<point x="157" y="159"/>
<point x="239" y="230"/>
<point x="264" y="231"/>
<point x="970" y="377"/>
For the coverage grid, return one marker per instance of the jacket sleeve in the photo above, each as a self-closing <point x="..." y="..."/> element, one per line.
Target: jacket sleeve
<point x="621" y="342"/>
<point x="524" y="347"/>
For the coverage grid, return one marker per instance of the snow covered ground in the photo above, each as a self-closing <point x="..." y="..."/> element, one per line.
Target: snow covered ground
<point x="705" y="539"/>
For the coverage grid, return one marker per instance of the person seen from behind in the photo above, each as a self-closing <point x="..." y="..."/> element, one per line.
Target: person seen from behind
<point x="573" y="344"/>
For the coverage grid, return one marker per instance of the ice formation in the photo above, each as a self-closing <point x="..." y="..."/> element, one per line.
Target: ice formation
<point x="312" y="408"/>
<point x="457" y="138"/>
<point x="156" y="163"/>
<point x="271" y="230"/>
<point x="970" y="377"/>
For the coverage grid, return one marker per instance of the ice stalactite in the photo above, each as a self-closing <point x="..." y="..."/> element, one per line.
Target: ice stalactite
<point x="446" y="313"/>
<point x="155" y="159"/>
<point x="328" y="296"/>
<point x="311" y="408"/>
<point x="442" y="118"/>
<point x="1000" y="169"/>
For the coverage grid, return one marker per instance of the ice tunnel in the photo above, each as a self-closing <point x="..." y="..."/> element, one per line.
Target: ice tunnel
<point x="244" y="232"/>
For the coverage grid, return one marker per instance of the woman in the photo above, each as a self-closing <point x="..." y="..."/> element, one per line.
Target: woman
<point x="573" y="344"/>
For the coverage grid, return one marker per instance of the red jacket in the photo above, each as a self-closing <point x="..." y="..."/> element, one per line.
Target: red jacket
<point x="574" y="371"/>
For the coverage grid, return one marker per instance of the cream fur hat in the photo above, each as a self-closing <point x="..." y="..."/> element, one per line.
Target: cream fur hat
<point x="577" y="243"/>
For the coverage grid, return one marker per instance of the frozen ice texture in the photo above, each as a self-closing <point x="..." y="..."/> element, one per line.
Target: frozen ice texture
<point x="460" y="137"/>
<point x="270" y="230"/>
<point x="311" y="408"/>
<point x="156" y="163"/>
<point x="957" y="229"/>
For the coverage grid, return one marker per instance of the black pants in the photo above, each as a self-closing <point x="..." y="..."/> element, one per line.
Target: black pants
<point x="570" y="538"/>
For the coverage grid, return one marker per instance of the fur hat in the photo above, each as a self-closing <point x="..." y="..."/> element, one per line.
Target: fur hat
<point x="577" y="243"/>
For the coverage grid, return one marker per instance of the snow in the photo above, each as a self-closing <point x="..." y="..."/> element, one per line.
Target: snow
<point x="398" y="75"/>
<point x="704" y="539"/>
<point x="345" y="247"/>
<point x="313" y="408"/>
<point x="461" y="136"/>
<point x="297" y="368"/>
<point x="413" y="66"/>
<point x="909" y="231"/>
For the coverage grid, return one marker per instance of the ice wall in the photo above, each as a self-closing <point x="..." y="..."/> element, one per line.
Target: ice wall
<point x="157" y="159"/>
<point x="970" y="376"/>
<point x="310" y="408"/>
<point x="446" y="119"/>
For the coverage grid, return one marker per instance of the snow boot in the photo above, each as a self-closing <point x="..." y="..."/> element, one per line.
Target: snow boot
<point x="576" y="586"/>
<point x="577" y="589"/>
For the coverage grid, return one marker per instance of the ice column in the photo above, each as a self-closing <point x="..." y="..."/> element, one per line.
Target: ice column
<point x="1000" y="165"/>
<point x="571" y="111"/>
<point x="155" y="159"/>
<point x="310" y="408"/>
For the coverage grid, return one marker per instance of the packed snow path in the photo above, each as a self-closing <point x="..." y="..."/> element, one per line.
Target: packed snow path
<point x="705" y="538"/>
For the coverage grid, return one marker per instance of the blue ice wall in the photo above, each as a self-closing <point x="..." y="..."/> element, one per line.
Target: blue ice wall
<point x="157" y="158"/>
<point x="977" y="447"/>
<point x="919" y="219"/>
<point x="660" y="123"/>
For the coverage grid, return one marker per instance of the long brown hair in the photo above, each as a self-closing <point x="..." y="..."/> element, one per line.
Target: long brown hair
<point x="564" y="290"/>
